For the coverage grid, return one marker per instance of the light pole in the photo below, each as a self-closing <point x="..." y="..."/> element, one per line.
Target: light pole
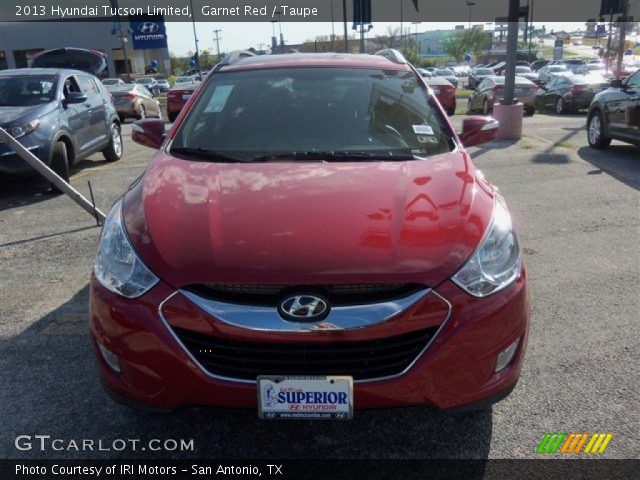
<point x="195" y="37"/>
<point x="470" y="4"/>
<point x="217" y="34"/>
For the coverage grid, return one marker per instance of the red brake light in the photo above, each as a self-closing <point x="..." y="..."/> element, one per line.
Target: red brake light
<point x="497" y="88"/>
<point x="576" y="89"/>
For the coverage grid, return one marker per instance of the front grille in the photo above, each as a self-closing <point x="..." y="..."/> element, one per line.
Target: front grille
<point x="363" y="360"/>
<point x="337" y="294"/>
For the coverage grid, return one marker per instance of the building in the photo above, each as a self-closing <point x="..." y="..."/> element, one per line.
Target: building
<point x="430" y="42"/>
<point x="146" y="40"/>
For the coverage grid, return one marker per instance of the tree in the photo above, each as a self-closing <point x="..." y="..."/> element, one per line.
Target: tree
<point x="461" y="42"/>
<point x="391" y="39"/>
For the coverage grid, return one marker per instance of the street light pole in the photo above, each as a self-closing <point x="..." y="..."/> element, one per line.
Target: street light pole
<point x="195" y="36"/>
<point x="470" y="4"/>
<point x="344" y="19"/>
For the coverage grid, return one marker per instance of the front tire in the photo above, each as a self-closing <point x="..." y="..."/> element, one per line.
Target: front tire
<point x="114" y="151"/>
<point x="485" y="107"/>
<point x="560" y="108"/>
<point x="60" y="163"/>
<point x="595" y="131"/>
<point x="172" y="117"/>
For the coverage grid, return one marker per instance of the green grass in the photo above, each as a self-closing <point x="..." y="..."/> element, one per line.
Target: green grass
<point x="564" y="144"/>
<point x="527" y="146"/>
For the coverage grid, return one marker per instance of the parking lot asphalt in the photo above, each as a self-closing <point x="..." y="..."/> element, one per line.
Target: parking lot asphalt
<point x="577" y="212"/>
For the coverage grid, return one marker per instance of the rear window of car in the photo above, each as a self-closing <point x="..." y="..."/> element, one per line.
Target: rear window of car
<point x="26" y="90"/>
<point x="366" y="112"/>
<point x="483" y="71"/>
<point x="523" y="70"/>
<point x="557" y="68"/>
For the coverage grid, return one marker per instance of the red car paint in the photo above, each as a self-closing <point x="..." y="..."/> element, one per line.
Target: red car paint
<point x="177" y="98"/>
<point x="310" y="223"/>
<point x="445" y="93"/>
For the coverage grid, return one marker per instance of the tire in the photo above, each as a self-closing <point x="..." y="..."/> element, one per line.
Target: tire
<point x="595" y="131"/>
<point x="560" y="108"/>
<point x="451" y="112"/>
<point x="469" y="107"/>
<point x="172" y="117"/>
<point x="141" y="113"/>
<point x="60" y="163"/>
<point x="485" y="107"/>
<point x="529" y="111"/>
<point x="160" y="117"/>
<point x="122" y="119"/>
<point x="114" y="151"/>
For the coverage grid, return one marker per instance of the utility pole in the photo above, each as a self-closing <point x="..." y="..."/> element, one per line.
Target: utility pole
<point x="333" y="30"/>
<point x="195" y="38"/>
<point x="218" y="38"/>
<point x="344" y="18"/>
<point x="470" y="4"/>
<point x="623" y="35"/>
<point x="512" y="53"/>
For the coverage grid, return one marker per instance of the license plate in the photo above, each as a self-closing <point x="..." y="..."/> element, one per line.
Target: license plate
<point x="326" y="397"/>
<point x="186" y="96"/>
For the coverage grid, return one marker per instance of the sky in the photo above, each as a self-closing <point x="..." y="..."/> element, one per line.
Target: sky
<point x="240" y="36"/>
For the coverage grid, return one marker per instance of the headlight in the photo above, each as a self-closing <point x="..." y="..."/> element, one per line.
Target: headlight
<point x="117" y="266"/>
<point x="18" y="131"/>
<point x="496" y="263"/>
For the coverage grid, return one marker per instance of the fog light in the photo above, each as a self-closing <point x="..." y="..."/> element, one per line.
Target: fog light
<point x="504" y="357"/>
<point x="110" y="357"/>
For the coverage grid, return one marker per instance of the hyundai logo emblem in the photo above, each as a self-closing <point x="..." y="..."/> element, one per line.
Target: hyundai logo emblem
<point x="304" y="308"/>
<point x="149" y="27"/>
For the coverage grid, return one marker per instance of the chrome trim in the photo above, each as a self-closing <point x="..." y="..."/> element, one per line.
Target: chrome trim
<point x="254" y="382"/>
<point x="267" y="319"/>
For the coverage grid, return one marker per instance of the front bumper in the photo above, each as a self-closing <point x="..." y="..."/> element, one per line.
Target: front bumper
<point x="11" y="163"/>
<point x="456" y="370"/>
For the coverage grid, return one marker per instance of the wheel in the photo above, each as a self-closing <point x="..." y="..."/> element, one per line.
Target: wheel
<point x="451" y="112"/>
<point x="160" y="113"/>
<point x="142" y="112"/>
<point x="122" y="118"/>
<point x="595" y="131"/>
<point x="529" y="111"/>
<point x="60" y="163"/>
<point x="559" y="106"/>
<point x="114" y="151"/>
<point x="469" y="107"/>
<point x="172" y="117"/>
<point x="485" y="107"/>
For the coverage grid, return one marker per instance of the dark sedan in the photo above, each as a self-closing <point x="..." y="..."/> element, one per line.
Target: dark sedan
<point x="477" y="75"/>
<point x="61" y="116"/>
<point x="563" y="93"/>
<point x="615" y="113"/>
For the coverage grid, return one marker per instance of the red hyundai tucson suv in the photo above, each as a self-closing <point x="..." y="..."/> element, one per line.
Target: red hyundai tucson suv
<point x="310" y="238"/>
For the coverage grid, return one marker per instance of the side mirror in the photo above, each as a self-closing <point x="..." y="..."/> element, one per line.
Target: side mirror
<point x="477" y="130"/>
<point x="75" y="97"/>
<point x="148" y="132"/>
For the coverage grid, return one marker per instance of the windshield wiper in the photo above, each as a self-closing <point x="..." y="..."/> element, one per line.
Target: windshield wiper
<point x="330" y="156"/>
<point x="213" y="155"/>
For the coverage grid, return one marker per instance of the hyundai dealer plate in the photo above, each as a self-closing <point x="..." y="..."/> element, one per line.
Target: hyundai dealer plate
<point x="305" y="397"/>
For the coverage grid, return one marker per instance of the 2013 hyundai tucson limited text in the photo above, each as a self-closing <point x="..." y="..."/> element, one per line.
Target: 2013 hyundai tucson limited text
<point x="310" y="238"/>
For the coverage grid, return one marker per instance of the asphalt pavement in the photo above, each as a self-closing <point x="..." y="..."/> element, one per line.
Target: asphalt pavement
<point x="577" y="213"/>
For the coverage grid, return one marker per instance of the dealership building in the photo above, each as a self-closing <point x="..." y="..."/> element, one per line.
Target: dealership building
<point x="145" y="40"/>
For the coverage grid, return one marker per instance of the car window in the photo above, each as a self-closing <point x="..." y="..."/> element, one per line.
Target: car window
<point x="248" y="115"/>
<point x="87" y="86"/>
<point x="24" y="90"/>
<point x="634" y="80"/>
<point x="70" y="85"/>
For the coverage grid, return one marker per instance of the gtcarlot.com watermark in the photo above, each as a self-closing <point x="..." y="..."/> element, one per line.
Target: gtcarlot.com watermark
<point x="46" y="443"/>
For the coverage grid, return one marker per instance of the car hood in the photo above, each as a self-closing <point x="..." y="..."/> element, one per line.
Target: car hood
<point x="308" y="223"/>
<point x="10" y="115"/>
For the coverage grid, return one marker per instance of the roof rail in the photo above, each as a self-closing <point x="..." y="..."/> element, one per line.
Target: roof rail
<point x="392" y="54"/>
<point x="235" y="56"/>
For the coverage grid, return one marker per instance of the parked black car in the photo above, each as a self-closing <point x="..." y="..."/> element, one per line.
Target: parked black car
<point x="563" y="93"/>
<point x="60" y="115"/>
<point x="615" y="113"/>
<point x="538" y="64"/>
<point x="477" y="75"/>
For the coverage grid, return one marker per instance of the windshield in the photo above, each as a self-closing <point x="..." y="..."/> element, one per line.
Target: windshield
<point x="27" y="90"/>
<point x="523" y="70"/>
<point x="184" y="80"/>
<point x="483" y="71"/>
<point x="110" y="81"/>
<point x="557" y="68"/>
<point x="144" y="80"/>
<point x="314" y="112"/>
<point x="445" y="72"/>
